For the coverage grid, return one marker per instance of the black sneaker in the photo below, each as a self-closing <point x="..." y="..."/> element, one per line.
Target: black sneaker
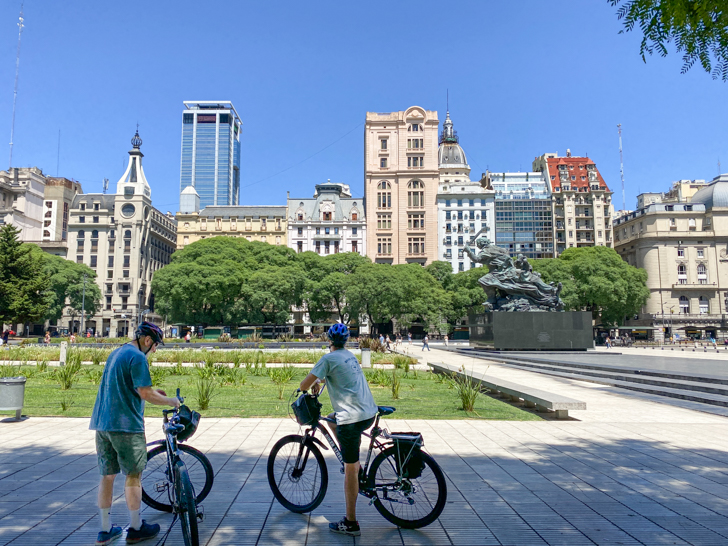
<point x="106" y="537"/>
<point x="146" y="532"/>
<point x="346" y="527"/>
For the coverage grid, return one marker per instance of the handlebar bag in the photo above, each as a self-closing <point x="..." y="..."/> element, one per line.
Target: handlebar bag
<point x="190" y="419"/>
<point x="307" y="409"/>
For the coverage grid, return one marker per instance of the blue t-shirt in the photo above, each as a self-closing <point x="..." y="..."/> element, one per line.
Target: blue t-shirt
<point x="118" y="407"/>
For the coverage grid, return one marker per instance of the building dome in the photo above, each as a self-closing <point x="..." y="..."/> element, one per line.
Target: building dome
<point x="450" y="154"/>
<point x="715" y="195"/>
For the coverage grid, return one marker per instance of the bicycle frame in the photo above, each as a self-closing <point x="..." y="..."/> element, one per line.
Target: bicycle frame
<point x="170" y="442"/>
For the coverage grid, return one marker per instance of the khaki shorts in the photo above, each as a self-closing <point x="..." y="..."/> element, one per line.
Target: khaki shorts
<point x="121" y="451"/>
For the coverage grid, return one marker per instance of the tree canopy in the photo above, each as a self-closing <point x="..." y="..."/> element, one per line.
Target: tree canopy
<point x="24" y="295"/>
<point x="698" y="28"/>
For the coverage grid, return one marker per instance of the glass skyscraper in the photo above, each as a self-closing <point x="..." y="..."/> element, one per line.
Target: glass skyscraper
<point x="211" y="152"/>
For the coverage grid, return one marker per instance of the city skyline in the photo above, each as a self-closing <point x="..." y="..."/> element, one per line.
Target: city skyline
<point x="518" y="88"/>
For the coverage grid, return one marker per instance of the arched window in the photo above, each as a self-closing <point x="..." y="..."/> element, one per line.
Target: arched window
<point x="81" y="234"/>
<point x="704" y="305"/>
<point x="46" y="233"/>
<point x="49" y="214"/>
<point x="702" y="274"/>
<point x="127" y="234"/>
<point x="684" y="305"/>
<point x="384" y="195"/>
<point x="415" y="194"/>
<point x="682" y="274"/>
<point x="95" y="234"/>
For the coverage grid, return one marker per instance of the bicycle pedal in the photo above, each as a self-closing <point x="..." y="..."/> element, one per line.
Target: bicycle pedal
<point x="200" y="513"/>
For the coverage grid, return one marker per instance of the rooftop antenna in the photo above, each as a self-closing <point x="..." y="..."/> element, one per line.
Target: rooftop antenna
<point x="106" y="184"/>
<point x="448" y="100"/>
<point x="15" y="92"/>
<point x="621" y="162"/>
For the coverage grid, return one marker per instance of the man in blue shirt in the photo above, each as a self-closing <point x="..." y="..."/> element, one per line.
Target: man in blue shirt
<point x="118" y="419"/>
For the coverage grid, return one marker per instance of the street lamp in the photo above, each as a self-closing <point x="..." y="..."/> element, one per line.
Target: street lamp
<point x="83" y="306"/>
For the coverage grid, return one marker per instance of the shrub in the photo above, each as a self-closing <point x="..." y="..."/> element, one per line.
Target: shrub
<point x="205" y="372"/>
<point x="42" y="366"/>
<point x="8" y="370"/>
<point x="67" y="375"/>
<point x="206" y="390"/>
<point x="467" y="390"/>
<point x="395" y="385"/>
<point x="281" y="376"/>
<point x="94" y="375"/>
<point x="157" y="374"/>
<point x="67" y="402"/>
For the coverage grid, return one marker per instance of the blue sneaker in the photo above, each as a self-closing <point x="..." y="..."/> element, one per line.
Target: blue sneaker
<point x="146" y="532"/>
<point x="107" y="537"/>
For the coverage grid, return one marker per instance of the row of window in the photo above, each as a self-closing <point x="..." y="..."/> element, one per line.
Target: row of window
<point x="462" y="216"/>
<point x="234" y="224"/>
<point x="415" y="246"/>
<point x="703" y="305"/>
<point x="682" y="274"/>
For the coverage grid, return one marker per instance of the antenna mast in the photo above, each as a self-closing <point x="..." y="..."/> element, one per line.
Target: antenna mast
<point x="15" y="93"/>
<point x="621" y="162"/>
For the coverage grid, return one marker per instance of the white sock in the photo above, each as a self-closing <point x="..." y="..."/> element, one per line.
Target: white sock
<point x="136" y="523"/>
<point x="105" y="519"/>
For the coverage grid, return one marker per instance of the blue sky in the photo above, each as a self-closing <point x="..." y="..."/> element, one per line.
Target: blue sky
<point x="524" y="77"/>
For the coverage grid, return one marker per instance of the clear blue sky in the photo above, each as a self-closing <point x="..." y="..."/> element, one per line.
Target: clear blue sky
<point x="524" y="78"/>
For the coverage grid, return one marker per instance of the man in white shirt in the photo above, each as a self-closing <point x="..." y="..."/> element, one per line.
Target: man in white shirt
<point x="354" y="410"/>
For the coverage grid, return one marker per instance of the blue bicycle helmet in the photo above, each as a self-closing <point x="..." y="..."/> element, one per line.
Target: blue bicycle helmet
<point x="338" y="334"/>
<point x="151" y="330"/>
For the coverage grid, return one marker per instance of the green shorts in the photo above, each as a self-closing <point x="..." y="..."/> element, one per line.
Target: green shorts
<point x="121" y="451"/>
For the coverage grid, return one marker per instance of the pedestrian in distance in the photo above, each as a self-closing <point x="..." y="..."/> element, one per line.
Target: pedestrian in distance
<point x="388" y="342"/>
<point x="608" y="342"/>
<point x="354" y="411"/>
<point x="712" y="340"/>
<point x="381" y="339"/>
<point x="47" y="338"/>
<point x="425" y="342"/>
<point x="73" y="338"/>
<point x="188" y="337"/>
<point x="409" y="337"/>
<point x="446" y="338"/>
<point x="118" y="419"/>
<point x="6" y="335"/>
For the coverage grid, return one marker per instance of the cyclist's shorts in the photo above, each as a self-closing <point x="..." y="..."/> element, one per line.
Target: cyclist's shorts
<point x="121" y="451"/>
<point x="349" y="437"/>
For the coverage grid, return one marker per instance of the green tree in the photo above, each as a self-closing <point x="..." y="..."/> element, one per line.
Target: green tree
<point x="698" y="28"/>
<point x="65" y="280"/>
<point x="442" y="271"/>
<point x="466" y="293"/>
<point x="24" y="295"/>
<point x="598" y="280"/>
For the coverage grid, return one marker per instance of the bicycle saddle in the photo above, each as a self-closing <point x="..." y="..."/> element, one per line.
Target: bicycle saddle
<point x="386" y="410"/>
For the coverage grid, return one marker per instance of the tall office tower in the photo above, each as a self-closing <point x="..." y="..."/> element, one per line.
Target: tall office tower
<point x="400" y="186"/>
<point x="211" y="152"/>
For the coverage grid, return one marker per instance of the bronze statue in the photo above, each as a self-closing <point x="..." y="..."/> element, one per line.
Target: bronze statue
<point x="513" y="285"/>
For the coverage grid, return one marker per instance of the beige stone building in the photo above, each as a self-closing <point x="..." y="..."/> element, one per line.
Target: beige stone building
<point x="21" y="201"/>
<point x="401" y="174"/>
<point x="683" y="247"/>
<point x="58" y="199"/>
<point x="581" y="201"/>
<point x="268" y="224"/>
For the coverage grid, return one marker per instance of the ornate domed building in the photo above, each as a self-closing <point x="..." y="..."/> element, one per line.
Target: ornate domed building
<point x="465" y="208"/>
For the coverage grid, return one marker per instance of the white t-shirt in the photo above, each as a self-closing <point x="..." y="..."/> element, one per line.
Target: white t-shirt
<point x="348" y="389"/>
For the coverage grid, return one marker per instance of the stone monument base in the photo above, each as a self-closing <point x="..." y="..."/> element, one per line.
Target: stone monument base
<point x="532" y="330"/>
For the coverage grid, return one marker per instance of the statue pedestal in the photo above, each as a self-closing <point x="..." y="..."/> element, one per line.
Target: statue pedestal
<point x="532" y="330"/>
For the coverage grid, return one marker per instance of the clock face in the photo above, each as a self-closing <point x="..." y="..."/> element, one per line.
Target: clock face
<point x="127" y="211"/>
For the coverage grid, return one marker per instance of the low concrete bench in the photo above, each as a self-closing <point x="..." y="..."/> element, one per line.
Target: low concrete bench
<point x="543" y="401"/>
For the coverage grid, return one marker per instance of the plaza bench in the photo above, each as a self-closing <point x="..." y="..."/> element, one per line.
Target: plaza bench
<point x="543" y="401"/>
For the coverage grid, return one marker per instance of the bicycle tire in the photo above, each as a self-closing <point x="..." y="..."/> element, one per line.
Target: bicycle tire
<point x="285" y="486"/>
<point x="186" y="505"/>
<point x="429" y="491"/>
<point x="198" y="467"/>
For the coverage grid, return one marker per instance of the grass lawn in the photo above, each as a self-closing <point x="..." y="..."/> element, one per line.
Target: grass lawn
<point x="425" y="396"/>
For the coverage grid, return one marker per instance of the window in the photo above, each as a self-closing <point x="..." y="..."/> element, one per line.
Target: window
<point x="383" y="163"/>
<point x="416" y="220"/>
<point x="384" y="245"/>
<point x="326" y="247"/>
<point x="701" y="253"/>
<point x="300" y="231"/>
<point x="185" y="239"/>
<point x="203" y="225"/>
<point x="702" y="274"/>
<point x="95" y="219"/>
<point x="93" y="261"/>
<point x="460" y="202"/>
<point x="680" y="252"/>
<point x="354" y="247"/>
<point x="233" y="224"/>
<point x="82" y="206"/>
<point x="447" y="202"/>
<point x="414" y="127"/>
<point x="384" y="195"/>
<point x="263" y="224"/>
<point x="278" y="239"/>
<point x="682" y="274"/>
<point x="383" y="144"/>
<point x="447" y="215"/>
<point x="82" y="219"/>
<point x="108" y="303"/>
<point x="126" y="261"/>
<point x="263" y="239"/>
<point x="79" y="259"/>
<point x="248" y="224"/>
<point x="353" y="231"/>
<point x="336" y="231"/>
<point x="300" y="246"/>
<point x="318" y="247"/>
<point x="218" y="224"/>
<point x="691" y="223"/>
<point x="109" y="273"/>
<point x="461" y="266"/>
<point x="354" y="216"/>
<point x="703" y="305"/>
<point x="416" y="194"/>
<point x="472" y="202"/>
<point x="416" y="245"/>
<point x="384" y="221"/>
<point x="327" y="216"/>
<point x="327" y="231"/>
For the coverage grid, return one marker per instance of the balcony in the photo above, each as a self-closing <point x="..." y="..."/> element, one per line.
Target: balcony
<point x="695" y="286"/>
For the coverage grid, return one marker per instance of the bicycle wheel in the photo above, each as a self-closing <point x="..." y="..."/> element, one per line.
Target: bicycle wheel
<point x="299" y="488"/>
<point x="157" y="483"/>
<point x="409" y="503"/>
<point x="187" y="506"/>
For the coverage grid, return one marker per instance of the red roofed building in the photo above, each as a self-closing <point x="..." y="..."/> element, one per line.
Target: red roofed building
<point x="581" y="201"/>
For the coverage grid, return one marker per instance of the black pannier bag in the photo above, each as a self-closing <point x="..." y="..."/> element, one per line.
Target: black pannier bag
<point x="190" y="419"/>
<point x="408" y="452"/>
<point x="307" y="409"/>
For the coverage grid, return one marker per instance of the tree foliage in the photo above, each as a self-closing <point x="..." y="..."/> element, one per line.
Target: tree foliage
<point x="698" y="28"/>
<point x="596" y="279"/>
<point x="24" y="295"/>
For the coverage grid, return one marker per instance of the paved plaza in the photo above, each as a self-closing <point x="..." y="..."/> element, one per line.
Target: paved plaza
<point x="631" y="469"/>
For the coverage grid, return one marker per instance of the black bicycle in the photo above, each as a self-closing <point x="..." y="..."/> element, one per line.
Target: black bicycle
<point x="178" y="477"/>
<point x="404" y="483"/>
